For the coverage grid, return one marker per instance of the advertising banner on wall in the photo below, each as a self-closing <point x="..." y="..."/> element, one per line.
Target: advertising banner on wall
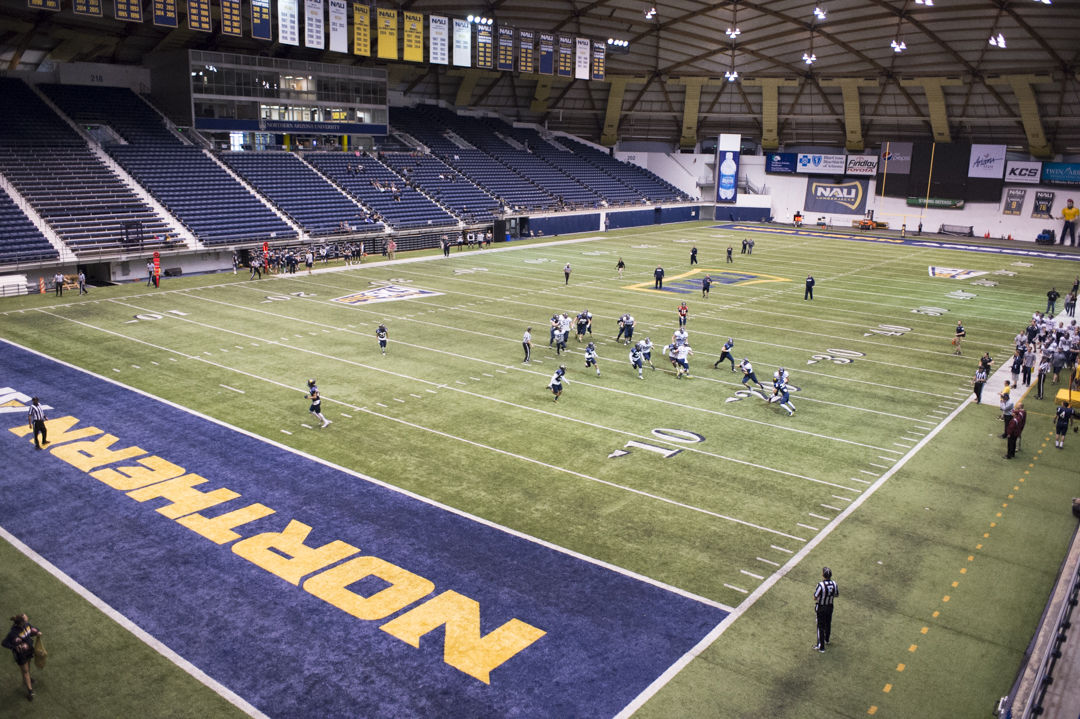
<point x="727" y="168"/>
<point x="781" y="162"/>
<point x="895" y="158"/>
<point x="1044" y="205"/>
<point x="811" y="163"/>
<point x="987" y="161"/>
<point x="1014" y="201"/>
<point x="862" y="165"/>
<point x="1023" y="172"/>
<point x="936" y="203"/>
<point x="1061" y="173"/>
<point x="838" y="198"/>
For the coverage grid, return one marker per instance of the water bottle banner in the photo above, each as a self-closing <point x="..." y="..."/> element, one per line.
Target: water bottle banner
<point x="727" y="178"/>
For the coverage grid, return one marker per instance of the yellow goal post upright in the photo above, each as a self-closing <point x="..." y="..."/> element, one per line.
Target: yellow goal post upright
<point x="909" y="218"/>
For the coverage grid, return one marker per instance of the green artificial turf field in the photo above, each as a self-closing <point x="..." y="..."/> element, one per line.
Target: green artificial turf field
<point x="944" y="552"/>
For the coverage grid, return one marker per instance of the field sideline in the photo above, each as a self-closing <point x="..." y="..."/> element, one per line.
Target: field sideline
<point x="695" y="490"/>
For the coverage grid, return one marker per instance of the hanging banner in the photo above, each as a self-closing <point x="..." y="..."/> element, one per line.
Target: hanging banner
<point x="1023" y="172"/>
<point x="840" y="198"/>
<point x="165" y="13"/>
<point x="339" y="26"/>
<point x="485" y="50"/>
<point x="314" y="24"/>
<point x="462" y="43"/>
<point x="361" y="29"/>
<point x="862" y="164"/>
<point x="811" y="163"/>
<point x="896" y="158"/>
<point x="1061" y="173"/>
<point x="131" y="10"/>
<point x="198" y="15"/>
<point x="386" y="21"/>
<point x="53" y="5"/>
<point x="546" y="63"/>
<point x="232" y="23"/>
<point x="987" y="161"/>
<point x="505" y="56"/>
<point x="413" y="49"/>
<point x="261" y="20"/>
<point x="288" y="25"/>
<point x="599" y="54"/>
<point x="438" y="40"/>
<point x="526" y="51"/>
<point x="87" y="7"/>
<point x="1044" y="205"/>
<point x="581" y="58"/>
<point x="727" y="168"/>
<point x="1014" y="201"/>
<point x="566" y="56"/>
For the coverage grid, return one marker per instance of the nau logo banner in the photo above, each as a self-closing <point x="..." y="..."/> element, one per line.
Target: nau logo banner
<point x="1024" y="172"/>
<point x="1044" y="205"/>
<point x="844" y="198"/>
<point x="387" y="293"/>
<point x="953" y="273"/>
<point x="987" y="161"/>
<point x="1014" y="201"/>
<point x="822" y="164"/>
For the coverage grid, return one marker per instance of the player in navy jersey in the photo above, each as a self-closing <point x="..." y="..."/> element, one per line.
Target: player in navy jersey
<point x="726" y="354"/>
<point x="780" y="391"/>
<point x="706" y="283"/>
<point x="748" y="373"/>
<point x="646" y="351"/>
<point x="636" y="359"/>
<point x="582" y="324"/>
<point x="381" y="335"/>
<point x="316" y="403"/>
<point x="557" y="379"/>
<point x="591" y="358"/>
<point x="554" y="328"/>
<point x="1062" y="416"/>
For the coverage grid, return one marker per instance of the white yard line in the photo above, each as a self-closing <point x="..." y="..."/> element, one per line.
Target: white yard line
<point x="239" y="391"/>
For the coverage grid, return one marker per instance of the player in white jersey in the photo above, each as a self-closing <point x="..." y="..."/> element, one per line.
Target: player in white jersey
<point x="591" y="360"/>
<point x="682" y="354"/>
<point x="646" y="351"/>
<point x="557" y="379"/>
<point x="680" y="337"/>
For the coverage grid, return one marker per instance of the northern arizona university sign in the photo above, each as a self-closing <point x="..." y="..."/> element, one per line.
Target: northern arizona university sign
<point x="841" y="198"/>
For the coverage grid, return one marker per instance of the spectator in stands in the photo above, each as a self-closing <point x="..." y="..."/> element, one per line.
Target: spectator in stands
<point x="1069" y="213"/>
<point x="58" y="284"/>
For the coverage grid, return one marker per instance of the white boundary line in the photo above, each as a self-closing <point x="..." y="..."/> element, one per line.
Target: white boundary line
<point x="148" y="639"/>
<point x="775" y="577"/>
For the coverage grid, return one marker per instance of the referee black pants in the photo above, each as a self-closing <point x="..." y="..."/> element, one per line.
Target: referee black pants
<point x="824" y="624"/>
<point x="39" y="428"/>
<point x="528" y="350"/>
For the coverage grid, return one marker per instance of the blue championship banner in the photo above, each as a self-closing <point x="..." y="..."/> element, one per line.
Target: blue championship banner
<point x="165" y="13"/>
<point x="232" y="23"/>
<point x="87" y="7"/>
<point x="505" y="56"/>
<point x="526" y="51"/>
<point x="546" y="63"/>
<point x="566" y="56"/>
<point x="262" y="27"/>
<point x="599" y="51"/>
<point x="131" y="10"/>
<point x="198" y="15"/>
<point x="484" y="49"/>
<point x="315" y="573"/>
<point x="53" y="5"/>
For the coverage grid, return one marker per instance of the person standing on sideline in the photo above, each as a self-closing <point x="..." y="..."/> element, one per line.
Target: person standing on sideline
<point x="58" y="284"/>
<point x="750" y="246"/>
<point x="1040" y="380"/>
<point x="1062" y="416"/>
<point x="1069" y="213"/>
<point x="381" y="334"/>
<point x="1027" y="364"/>
<point x="1012" y="432"/>
<point x="316" y="403"/>
<point x="1016" y="367"/>
<point x="745" y="242"/>
<point x="82" y="283"/>
<point x="959" y="336"/>
<point x="526" y="344"/>
<point x="1007" y="408"/>
<point x="235" y="262"/>
<point x="255" y="268"/>
<point x="566" y="273"/>
<point x="149" y="273"/>
<point x="693" y="256"/>
<point x="683" y="312"/>
<point x="978" y="383"/>
<point x="824" y="594"/>
<point x="620" y="266"/>
<point x="36" y="419"/>
<point x="557" y="380"/>
<point x="20" y="640"/>
<point x="808" y="294"/>
<point x="706" y="284"/>
<point x="658" y="278"/>
<point x="729" y="257"/>
<point x="1051" y="301"/>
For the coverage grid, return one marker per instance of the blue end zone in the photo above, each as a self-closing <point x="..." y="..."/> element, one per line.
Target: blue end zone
<point x="908" y="241"/>
<point x="606" y="636"/>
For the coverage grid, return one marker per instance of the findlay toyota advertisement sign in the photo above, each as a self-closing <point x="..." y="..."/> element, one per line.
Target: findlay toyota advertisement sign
<point x="862" y="165"/>
<point x="839" y="198"/>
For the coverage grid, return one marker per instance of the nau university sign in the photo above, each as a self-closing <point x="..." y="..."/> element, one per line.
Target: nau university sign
<point x="840" y="198"/>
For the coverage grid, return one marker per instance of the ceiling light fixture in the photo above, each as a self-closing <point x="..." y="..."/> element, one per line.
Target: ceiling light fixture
<point x="819" y="13"/>
<point x="650" y="13"/>
<point x="927" y="3"/>
<point x="733" y="32"/>
<point x="809" y="58"/>
<point x="898" y="45"/>
<point x="997" y="41"/>
<point x="731" y="75"/>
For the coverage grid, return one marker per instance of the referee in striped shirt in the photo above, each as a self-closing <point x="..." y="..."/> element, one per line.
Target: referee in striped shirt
<point x="36" y="417"/>
<point x="824" y="595"/>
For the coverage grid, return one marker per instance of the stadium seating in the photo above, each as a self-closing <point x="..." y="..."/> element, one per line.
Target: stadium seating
<point x="397" y="203"/>
<point x="647" y="183"/>
<point x="308" y="199"/>
<point x="207" y="200"/>
<point x="445" y="185"/>
<point x="117" y="107"/>
<point x="20" y="240"/>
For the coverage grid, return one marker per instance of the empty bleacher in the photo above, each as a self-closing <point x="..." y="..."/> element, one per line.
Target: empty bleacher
<point x="117" y="107"/>
<point x="647" y="183"/>
<point x="204" y="197"/>
<point x="20" y="240"/>
<point x="299" y="192"/>
<point x="444" y="184"/>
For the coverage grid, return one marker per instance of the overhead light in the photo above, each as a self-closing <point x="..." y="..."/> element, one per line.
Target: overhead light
<point x="898" y="45"/>
<point x="819" y="13"/>
<point x="1045" y="2"/>
<point x="480" y="20"/>
<point x="617" y="43"/>
<point x="927" y="3"/>
<point x="998" y="40"/>
<point x="731" y="75"/>
<point x="733" y="32"/>
<point x="809" y="58"/>
<point x="650" y="13"/>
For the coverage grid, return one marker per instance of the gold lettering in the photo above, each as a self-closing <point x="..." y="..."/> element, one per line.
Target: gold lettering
<point x="181" y="495"/>
<point x="88" y="455"/>
<point x="58" y="430"/>
<point x="219" y="529"/>
<point x="301" y="559"/>
<point x="154" y="469"/>
<point x="405" y="587"/>
<point x="464" y="648"/>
